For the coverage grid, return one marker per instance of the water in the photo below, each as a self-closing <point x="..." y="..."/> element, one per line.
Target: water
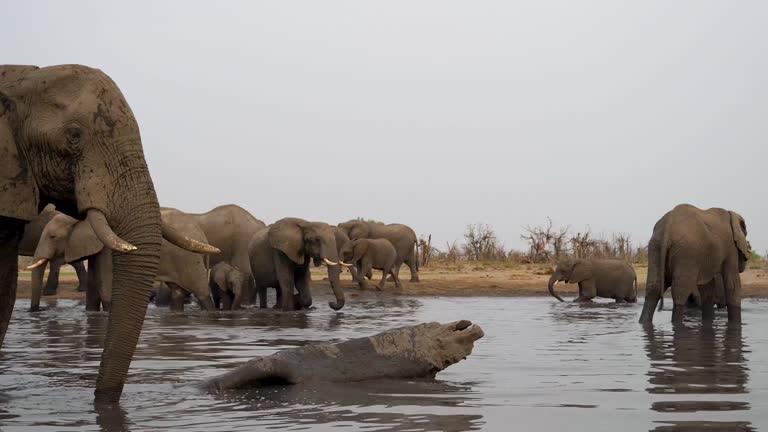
<point x="543" y="365"/>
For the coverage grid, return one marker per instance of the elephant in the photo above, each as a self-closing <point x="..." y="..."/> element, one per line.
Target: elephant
<point x="69" y="138"/>
<point x="280" y="256"/>
<point x="402" y="237"/>
<point x="230" y="228"/>
<point x="71" y="240"/>
<point x="228" y="285"/>
<point x="341" y="240"/>
<point x="691" y="249"/>
<point x="32" y="232"/>
<point x="371" y="254"/>
<point x="608" y="278"/>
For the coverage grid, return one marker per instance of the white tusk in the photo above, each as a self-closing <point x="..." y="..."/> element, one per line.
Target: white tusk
<point x="37" y="264"/>
<point x="329" y="262"/>
<point x="345" y="264"/>
<point x="103" y="231"/>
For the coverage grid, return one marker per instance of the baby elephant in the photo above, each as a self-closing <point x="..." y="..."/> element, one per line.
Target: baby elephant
<point x="606" y="278"/>
<point x="228" y="286"/>
<point x="368" y="254"/>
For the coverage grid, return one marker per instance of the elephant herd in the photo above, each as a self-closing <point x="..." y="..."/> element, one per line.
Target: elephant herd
<point x="244" y="257"/>
<point x="75" y="187"/>
<point x="697" y="253"/>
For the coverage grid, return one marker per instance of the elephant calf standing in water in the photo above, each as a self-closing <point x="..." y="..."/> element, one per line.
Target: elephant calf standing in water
<point x="606" y="278"/>
<point x="369" y="254"/>
<point x="228" y="286"/>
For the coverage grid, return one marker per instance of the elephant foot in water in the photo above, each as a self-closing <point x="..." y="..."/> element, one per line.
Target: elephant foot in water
<point x="418" y="351"/>
<point x="582" y="300"/>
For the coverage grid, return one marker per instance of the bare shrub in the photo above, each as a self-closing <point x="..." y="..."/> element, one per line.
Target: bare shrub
<point x="545" y="243"/>
<point x="481" y="243"/>
<point x="426" y="251"/>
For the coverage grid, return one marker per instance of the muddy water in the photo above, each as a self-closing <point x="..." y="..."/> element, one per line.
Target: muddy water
<point x="543" y="365"/>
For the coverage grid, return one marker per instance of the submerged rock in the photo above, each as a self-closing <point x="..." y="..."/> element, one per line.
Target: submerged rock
<point x="418" y="351"/>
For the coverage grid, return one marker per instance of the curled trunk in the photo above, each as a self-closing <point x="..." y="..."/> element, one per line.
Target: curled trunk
<point x="551" y="286"/>
<point x="334" y="273"/>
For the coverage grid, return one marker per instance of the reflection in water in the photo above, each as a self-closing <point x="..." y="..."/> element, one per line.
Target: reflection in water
<point x="696" y="360"/>
<point x="543" y="365"/>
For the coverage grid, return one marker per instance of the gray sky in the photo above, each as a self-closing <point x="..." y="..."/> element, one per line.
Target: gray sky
<point x="434" y="113"/>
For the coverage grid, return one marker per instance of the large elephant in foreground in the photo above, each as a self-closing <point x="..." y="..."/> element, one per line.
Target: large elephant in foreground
<point x="693" y="248"/>
<point x="280" y="258"/>
<point x="32" y="233"/>
<point x="607" y="278"/>
<point x="402" y="237"/>
<point x="66" y="238"/>
<point x="68" y="137"/>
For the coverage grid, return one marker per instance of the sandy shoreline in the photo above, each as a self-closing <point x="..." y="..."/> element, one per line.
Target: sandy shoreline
<point x="458" y="280"/>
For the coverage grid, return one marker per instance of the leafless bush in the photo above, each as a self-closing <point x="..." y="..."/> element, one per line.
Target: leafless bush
<point x="426" y="251"/>
<point x="481" y="243"/>
<point x="452" y="252"/>
<point x="545" y="242"/>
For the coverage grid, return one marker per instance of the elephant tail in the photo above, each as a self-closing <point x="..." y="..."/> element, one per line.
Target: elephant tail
<point x="662" y="266"/>
<point x="416" y="249"/>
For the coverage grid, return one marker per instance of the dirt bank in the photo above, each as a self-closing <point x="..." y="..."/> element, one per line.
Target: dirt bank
<point x="460" y="280"/>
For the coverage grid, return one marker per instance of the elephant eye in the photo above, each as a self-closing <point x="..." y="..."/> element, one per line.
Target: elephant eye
<point x="74" y="134"/>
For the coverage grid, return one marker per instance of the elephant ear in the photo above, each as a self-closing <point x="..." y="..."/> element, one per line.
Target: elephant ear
<point x="360" y="249"/>
<point x="581" y="271"/>
<point x="287" y="236"/>
<point x="82" y="243"/>
<point x="739" y="228"/>
<point x="18" y="191"/>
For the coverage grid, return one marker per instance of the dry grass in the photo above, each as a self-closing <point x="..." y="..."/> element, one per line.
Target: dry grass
<point x="461" y="279"/>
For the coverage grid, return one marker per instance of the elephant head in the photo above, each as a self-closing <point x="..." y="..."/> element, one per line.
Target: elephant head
<point x="739" y="230"/>
<point x="353" y="251"/>
<point x="68" y="137"/>
<point x="355" y="229"/>
<point x="238" y="283"/>
<point x="569" y="271"/>
<point x="302" y="241"/>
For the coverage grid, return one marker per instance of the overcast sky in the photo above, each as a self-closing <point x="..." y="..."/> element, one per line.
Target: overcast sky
<point x="434" y="113"/>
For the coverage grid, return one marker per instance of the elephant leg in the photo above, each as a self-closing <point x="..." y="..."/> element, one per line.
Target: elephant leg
<point x="177" y="297"/>
<point x="92" y="297"/>
<point x="302" y="278"/>
<point x="52" y="284"/>
<point x="202" y="293"/>
<point x="398" y="285"/>
<point x="36" y="288"/>
<point x="367" y="269"/>
<point x="226" y="301"/>
<point x="384" y="274"/>
<point x="682" y="287"/>
<point x="653" y="294"/>
<point x="411" y="263"/>
<point x="10" y="234"/>
<point x="707" y="295"/>
<point x="262" y="293"/>
<point x="217" y="295"/>
<point x="285" y="278"/>
<point x="732" y="282"/>
<point x="587" y="291"/>
<point x="82" y="276"/>
<point x="163" y="296"/>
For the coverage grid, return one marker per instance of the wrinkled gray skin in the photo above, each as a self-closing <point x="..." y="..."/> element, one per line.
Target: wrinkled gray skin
<point x="32" y="233"/>
<point x="71" y="240"/>
<point x="68" y="137"/>
<point x="230" y="228"/>
<point x="418" y="351"/>
<point x="369" y="254"/>
<point x="607" y="278"/>
<point x="281" y="254"/>
<point x="228" y="286"/>
<point x="402" y="237"/>
<point x="699" y="249"/>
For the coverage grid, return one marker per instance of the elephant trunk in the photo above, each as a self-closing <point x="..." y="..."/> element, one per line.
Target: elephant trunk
<point x="551" y="286"/>
<point x="333" y="277"/>
<point x="206" y="303"/>
<point x="134" y="218"/>
<point x="36" y="288"/>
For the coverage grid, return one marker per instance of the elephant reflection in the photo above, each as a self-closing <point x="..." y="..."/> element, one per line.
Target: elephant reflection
<point x="361" y="403"/>
<point x="696" y="361"/>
